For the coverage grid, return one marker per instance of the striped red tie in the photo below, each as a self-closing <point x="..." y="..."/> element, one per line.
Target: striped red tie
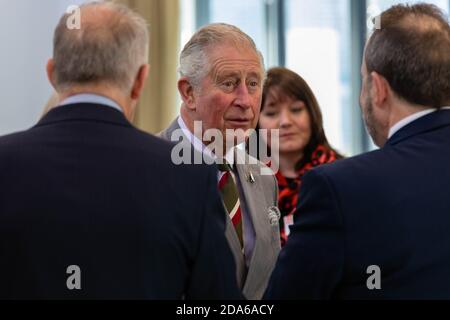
<point x="230" y="196"/>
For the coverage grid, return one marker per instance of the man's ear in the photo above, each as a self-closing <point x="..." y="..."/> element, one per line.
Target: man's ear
<point x="379" y="90"/>
<point x="139" y="82"/>
<point x="187" y="93"/>
<point x="50" y="72"/>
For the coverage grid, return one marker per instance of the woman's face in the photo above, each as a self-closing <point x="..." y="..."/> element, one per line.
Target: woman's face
<point x="291" y="117"/>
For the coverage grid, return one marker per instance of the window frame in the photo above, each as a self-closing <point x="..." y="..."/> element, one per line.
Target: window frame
<point x="275" y="21"/>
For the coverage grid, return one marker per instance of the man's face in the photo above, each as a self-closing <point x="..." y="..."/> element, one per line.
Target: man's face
<point x="373" y="124"/>
<point x="229" y="97"/>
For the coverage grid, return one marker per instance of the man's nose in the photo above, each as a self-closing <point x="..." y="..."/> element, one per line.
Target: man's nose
<point x="243" y="96"/>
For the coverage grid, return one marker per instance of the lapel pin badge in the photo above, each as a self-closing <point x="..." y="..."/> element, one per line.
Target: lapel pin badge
<point x="274" y="215"/>
<point x="251" y="178"/>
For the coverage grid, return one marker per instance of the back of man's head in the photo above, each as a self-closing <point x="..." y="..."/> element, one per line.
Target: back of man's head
<point x="412" y="51"/>
<point x="194" y="62"/>
<point x="109" y="48"/>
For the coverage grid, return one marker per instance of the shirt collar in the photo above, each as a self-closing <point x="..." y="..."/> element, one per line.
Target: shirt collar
<point x="405" y="121"/>
<point x="91" y="98"/>
<point x="200" y="147"/>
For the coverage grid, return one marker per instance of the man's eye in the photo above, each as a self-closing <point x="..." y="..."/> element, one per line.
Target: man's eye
<point x="228" y="84"/>
<point x="254" y="84"/>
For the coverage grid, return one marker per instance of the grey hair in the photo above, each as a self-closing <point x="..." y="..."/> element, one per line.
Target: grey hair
<point x="194" y="62"/>
<point x="110" y="51"/>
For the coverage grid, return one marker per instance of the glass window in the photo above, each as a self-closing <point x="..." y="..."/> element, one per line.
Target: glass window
<point x="26" y="31"/>
<point x="187" y="23"/>
<point x="318" y="48"/>
<point x="248" y="15"/>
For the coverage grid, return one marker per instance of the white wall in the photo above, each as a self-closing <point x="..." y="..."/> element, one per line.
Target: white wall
<point x="26" y="33"/>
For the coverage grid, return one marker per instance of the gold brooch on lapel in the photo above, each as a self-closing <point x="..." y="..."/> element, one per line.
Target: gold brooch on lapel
<point x="274" y="215"/>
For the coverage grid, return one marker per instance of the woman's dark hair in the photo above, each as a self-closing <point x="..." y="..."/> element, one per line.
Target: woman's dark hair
<point x="284" y="82"/>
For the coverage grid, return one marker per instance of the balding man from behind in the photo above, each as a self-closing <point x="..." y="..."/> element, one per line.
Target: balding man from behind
<point x="91" y="207"/>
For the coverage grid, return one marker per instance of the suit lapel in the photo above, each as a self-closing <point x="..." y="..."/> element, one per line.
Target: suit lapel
<point x="256" y="209"/>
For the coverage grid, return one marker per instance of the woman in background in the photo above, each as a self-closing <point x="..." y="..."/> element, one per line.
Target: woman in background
<point x="288" y="104"/>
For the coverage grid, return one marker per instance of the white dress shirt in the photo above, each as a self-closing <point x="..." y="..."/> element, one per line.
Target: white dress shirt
<point x="90" y="98"/>
<point x="405" y="121"/>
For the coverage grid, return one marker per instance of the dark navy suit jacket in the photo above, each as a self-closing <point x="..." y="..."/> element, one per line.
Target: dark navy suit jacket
<point x="389" y="208"/>
<point x="85" y="188"/>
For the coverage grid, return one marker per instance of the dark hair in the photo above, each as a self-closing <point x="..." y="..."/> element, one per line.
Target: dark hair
<point x="411" y="49"/>
<point x="286" y="82"/>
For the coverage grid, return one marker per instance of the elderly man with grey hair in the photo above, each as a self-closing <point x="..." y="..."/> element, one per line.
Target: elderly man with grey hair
<point x="221" y="85"/>
<point x="91" y="207"/>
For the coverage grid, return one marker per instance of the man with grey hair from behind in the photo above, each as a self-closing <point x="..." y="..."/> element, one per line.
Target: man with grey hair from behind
<point x="93" y="208"/>
<point x="108" y="55"/>
<point x="221" y="76"/>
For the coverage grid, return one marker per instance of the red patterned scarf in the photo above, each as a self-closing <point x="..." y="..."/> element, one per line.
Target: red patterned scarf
<point x="289" y="188"/>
